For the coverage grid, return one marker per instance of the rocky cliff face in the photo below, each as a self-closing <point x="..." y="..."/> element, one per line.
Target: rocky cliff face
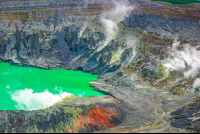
<point x="69" y="34"/>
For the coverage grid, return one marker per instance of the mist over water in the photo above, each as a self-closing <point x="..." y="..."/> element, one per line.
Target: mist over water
<point x="28" y="100"/>
<point x="23" y="88"/>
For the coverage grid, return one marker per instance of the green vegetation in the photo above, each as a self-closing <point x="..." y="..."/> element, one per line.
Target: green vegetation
<point x="180" y="1"/>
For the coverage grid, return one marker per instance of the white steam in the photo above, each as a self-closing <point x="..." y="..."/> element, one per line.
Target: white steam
<point x="82" y="29"/>
<point x="196" y="83"/>
<point x="131" y="43"/>
<point x="187" y="60"/>
<point x="114" y="16"/>
<point x="27" y="100"/>
<point x="110" y="27"/>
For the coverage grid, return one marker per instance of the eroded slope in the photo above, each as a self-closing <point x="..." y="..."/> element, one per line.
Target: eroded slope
<point x="141" y="95"/>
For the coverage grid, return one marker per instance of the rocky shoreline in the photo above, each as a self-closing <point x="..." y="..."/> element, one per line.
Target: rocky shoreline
<point x="140" y="96"/>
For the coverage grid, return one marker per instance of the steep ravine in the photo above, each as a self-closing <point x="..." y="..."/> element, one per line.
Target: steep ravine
<point x="140" y="96"/>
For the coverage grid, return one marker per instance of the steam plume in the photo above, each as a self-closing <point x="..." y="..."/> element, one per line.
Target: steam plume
<point x="187" y="60"/>
<point x="27" y="100"/>
<point x="130" y="42"/>
<point x="196" y="83"/>
<point x="114" y="16"/>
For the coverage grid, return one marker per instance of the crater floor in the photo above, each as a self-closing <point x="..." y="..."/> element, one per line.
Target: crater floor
<point x="146" y="56"/>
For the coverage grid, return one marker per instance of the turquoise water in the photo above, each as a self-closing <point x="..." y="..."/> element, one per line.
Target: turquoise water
<point x="24" y="88"/>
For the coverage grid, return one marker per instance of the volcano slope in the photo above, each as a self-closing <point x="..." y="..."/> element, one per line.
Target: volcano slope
<point x="142" y="58"/>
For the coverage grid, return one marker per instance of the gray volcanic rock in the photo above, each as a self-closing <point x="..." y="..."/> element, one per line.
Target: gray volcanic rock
<point x="60" y="116"/>
<point x="187" y="117"/>
<point x="140" y="95"/>
<point x="184" y="28"/>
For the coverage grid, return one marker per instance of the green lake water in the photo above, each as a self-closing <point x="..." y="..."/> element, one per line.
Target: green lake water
<point x="24" y="88"/>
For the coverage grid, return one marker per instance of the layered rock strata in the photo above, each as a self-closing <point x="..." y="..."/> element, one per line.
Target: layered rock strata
<point x="140" y="96"/>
